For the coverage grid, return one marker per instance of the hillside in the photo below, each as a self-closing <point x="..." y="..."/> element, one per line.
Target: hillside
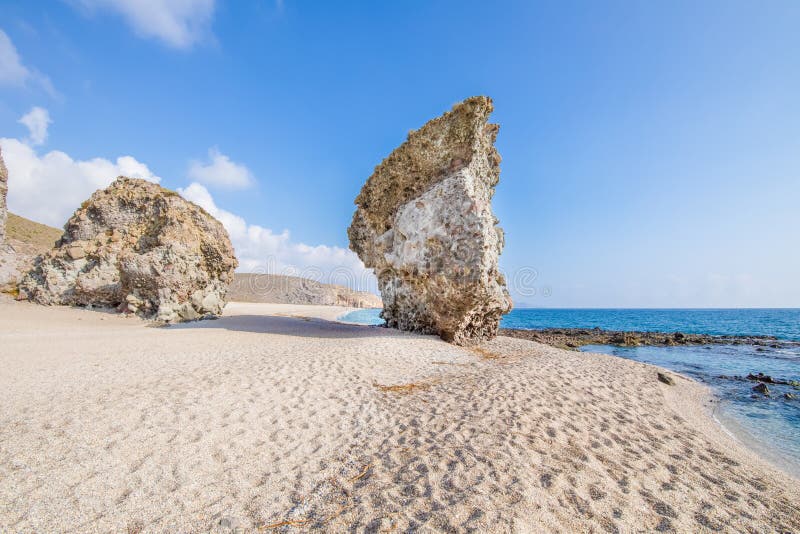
<point x="281" y="289"/>
<point x="24" y="241"/>
<point x="36" y="235"/>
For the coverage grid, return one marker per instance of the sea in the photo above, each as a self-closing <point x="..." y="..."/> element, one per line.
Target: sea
<point x="770" y="425"/>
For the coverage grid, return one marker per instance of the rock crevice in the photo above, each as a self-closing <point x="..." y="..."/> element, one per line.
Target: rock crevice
<point x="424" y="223"/>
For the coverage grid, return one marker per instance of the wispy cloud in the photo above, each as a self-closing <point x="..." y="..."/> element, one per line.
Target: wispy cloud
<point x="14" y="73"/>
<point x="177" y="23"/>
<point x="220" y="171"/>
<point x="261" y="250"/>
<point x="37" y="120"/>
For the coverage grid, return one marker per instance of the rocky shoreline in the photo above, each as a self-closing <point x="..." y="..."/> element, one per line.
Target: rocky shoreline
<point x="573" y="338"/>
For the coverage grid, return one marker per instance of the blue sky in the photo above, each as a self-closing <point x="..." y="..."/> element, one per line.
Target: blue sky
<point x="651" y="150"/>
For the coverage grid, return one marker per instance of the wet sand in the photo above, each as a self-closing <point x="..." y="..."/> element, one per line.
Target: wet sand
<point x="276" y="418"/>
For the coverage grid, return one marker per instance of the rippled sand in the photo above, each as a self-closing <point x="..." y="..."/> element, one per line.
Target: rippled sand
<point x="276" y="418"/>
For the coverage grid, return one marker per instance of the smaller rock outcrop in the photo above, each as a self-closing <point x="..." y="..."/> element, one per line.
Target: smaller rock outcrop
<point x="665" y="378"/>
<point x="424" y="223"/>
<point x="3" y="193"/>
<point x="140" y="248"/>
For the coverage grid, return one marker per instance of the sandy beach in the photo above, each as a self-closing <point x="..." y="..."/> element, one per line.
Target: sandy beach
<point x="276" y="418"/>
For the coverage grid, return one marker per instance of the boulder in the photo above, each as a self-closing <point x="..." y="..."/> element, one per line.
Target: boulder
<point x="142" y="249"/>
<point x="665" y="378"/>
<point x="761" y="377"/>
<point x="3" y="193"/>
<point x="761" y="388"/>
<point x="424" y="223"/>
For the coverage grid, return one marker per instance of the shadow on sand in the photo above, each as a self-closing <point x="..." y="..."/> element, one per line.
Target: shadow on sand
<point x="290" y="326"/>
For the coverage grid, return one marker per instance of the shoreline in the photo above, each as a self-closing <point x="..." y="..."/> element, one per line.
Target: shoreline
<point x="279" y="415"/>
<point x="711" y="405"/>
<point x="742" y="436"/>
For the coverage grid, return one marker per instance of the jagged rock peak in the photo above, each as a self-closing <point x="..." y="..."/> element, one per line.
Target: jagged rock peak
<point x="3" y="193"/>
<point x="424" y="223"/>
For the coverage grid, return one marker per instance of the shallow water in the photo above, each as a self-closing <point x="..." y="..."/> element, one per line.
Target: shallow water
<point x="771" y="424"/>
<point x="782" y="323"/>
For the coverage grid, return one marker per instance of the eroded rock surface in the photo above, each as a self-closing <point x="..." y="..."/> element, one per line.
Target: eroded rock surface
<point x="141" y="248"/>
<point x="3" y="193"/>
<point x="424" y="223"/>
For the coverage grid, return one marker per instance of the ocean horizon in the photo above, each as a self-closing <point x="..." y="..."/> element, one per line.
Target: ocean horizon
<point x="782" y="323"/>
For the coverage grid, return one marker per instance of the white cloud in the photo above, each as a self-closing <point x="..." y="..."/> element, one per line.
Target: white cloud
<point x="178" y="23"/>
<point x="220" y="172"/>
<point x="261" y="250"/>
<point x="49" y="188"/>
<point x="14" y="73"/>
<point x="37" y="120"/>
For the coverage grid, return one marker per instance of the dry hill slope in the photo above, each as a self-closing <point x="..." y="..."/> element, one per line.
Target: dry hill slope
<point x="279" y="289"/>
<point x="33" y="234"/>
<point x="24" y="241"/>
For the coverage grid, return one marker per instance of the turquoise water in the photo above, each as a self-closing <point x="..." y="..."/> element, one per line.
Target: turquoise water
<point x="782" y="323"/>
<point x="771" y="423"/>
<point x="363" y="316"/>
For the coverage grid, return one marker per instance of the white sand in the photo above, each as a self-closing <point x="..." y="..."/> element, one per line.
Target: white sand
<point x="284" y="423"/>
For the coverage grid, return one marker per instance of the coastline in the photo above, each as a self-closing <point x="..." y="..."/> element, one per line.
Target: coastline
<point x="278" y="417"/>
<point x="701" y="405"/>
<point x="746" y="439"/>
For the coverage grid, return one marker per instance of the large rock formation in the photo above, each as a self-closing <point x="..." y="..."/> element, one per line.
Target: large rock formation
<point x="3" y="192"/>
<point x="141" y="248"/>
<point x="424" y="223"/>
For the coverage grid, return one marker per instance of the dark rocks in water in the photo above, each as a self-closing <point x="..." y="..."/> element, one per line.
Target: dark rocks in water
<point x="577" y="337"/>
<point x="761" y="388"/>
<point x="665" y="378"/>
<point x="625" y="339"/>
<point x="789" y="396"/>
<point x="761" y="377"/>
